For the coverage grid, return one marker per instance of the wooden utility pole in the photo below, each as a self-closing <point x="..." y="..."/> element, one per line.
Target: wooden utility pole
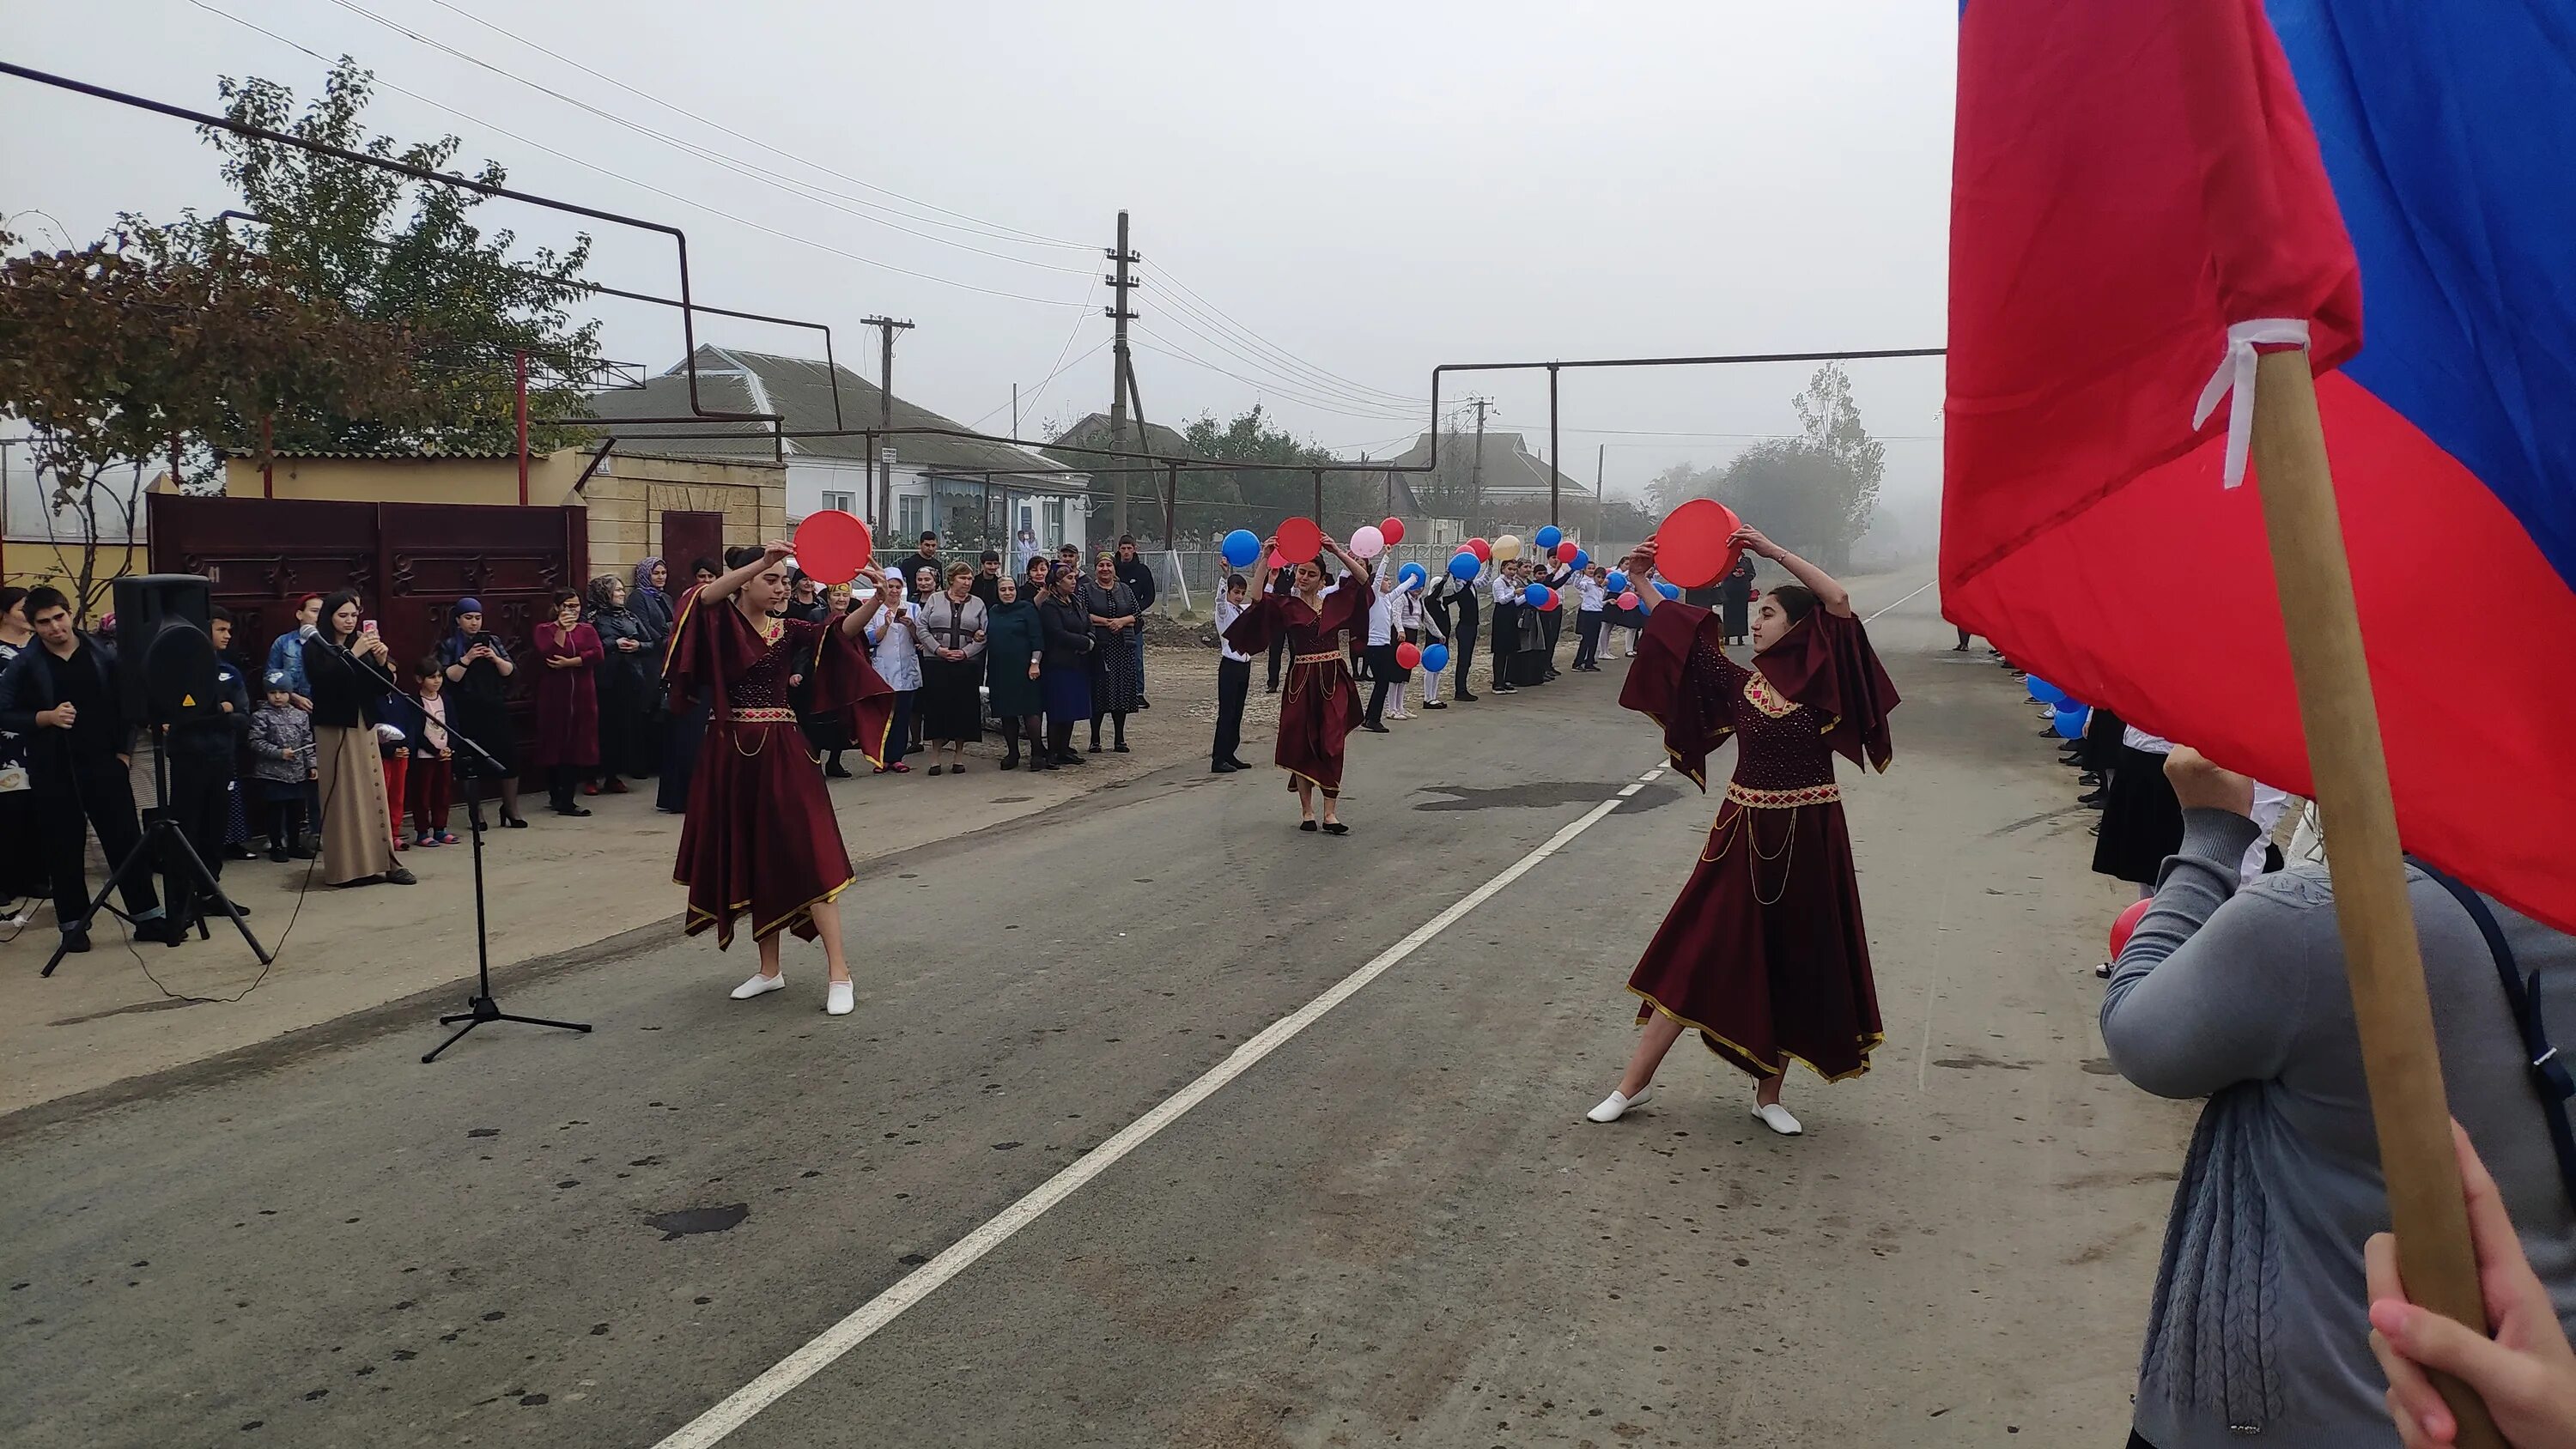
<point x="1476" y="468"/>
<point x="1122" y="376"/>
<point x="880" y="471"/>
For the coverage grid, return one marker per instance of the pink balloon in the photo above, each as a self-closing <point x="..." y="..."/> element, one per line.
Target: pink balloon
<point x="1367" y="541"/>
<point x="1628" y="600"/>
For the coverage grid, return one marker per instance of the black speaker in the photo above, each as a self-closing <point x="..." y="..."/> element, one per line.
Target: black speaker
<point x="165" y="654"/>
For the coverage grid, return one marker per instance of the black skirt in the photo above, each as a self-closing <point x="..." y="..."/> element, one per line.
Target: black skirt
<point x="951" y="702"/>
<point x="2141" y="820"/>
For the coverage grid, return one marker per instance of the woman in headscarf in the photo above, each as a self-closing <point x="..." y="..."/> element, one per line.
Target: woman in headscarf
<point x="1321" y="705"/>
<point x="1763" y="953"/>
<point x="478" y="669"/>
<point x="630" y="673"/>
<point x="567" y="701"/>
<point x="650" y="602"/>
<point x="1064" y="672"/>
<point x="688" y="713"/>
<point x="1117" y="684"/>
<point x="349" y="669"/>
<point x="761" y="836"/>
<point x="1013" y="641"/>
<point x="896" y="641"/>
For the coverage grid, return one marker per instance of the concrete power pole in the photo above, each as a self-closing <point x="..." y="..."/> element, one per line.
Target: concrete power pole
<point x="879" y="470"/>
<point x="1476" y="469"/>
<point x="1121" y="379"/>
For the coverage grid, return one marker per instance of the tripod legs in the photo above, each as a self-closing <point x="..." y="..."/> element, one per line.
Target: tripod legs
<point x="163" y="840"/>
<point x="482" y="1007"/>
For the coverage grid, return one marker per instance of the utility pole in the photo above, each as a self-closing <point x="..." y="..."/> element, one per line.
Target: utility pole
<point x="879" y="470"/>
<point x="1600" y="500"/>
<point x="1015" y="412"/>
<point x="1121" y="374"/>
<point x="1476" y="469"/>
<point x="1555" y="454"/>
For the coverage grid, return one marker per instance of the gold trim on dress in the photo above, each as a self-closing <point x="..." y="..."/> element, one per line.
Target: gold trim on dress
<point x="1745" y="1060"/>
<point x="764" y="716"/>
<point x="1759" y="693"/>
<point x="1750" y="797"/>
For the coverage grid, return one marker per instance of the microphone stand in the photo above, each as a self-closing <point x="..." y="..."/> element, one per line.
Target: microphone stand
<point x="482" y="1006"/>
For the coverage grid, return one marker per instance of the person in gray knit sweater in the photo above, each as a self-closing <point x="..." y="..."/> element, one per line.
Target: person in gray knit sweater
<point x="2259" y="1326"/>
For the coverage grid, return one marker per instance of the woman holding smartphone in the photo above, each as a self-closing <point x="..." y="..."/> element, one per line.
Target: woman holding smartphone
<point x="346" y="663"/>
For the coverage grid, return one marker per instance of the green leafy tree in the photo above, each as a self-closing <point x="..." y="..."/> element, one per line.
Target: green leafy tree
<point x="117" y="354"/>
<point x="1350" y="499"/>
<point x="406" y="253"/>
<point x="1834" y="432"/>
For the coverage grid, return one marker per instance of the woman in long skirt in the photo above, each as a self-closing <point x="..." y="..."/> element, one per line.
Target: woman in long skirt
<point x="350" y="676"/>
<point x="567" y="702"/>
<point x="1064" y="668"/>
<point x="760" y="836"/>
<point x="1321" y="704"/>
<point x="952" y="672"/>
<point x="1763" y="954"/>
<point x="1117" y="678"/>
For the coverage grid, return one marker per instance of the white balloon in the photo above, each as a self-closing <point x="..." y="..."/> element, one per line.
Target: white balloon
<point x="1507" y="548"/>
<point x="1367" y="541"/>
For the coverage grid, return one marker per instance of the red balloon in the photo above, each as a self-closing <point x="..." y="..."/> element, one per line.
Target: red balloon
<point x="1691" y="549"/>
<point x="1393" y="528"/>
<point x="1628" y="600"/>
<point x="832" y="546"/>
<point x="2127" y="925"/>
<point x="1566" y="551"/>
<point x="1408" y="655"/>
<point x="1549" y="604"/>
<point x="1301" y="540"/>
<point x="1483" y="551"/>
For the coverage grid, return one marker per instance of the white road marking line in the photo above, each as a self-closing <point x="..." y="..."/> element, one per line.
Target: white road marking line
<point x="1874" y="613"/>
<point x="1630" y="789"/>
<point x="831" y="1344"/>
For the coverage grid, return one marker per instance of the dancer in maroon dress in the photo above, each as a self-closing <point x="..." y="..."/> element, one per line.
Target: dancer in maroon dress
<point x="760" y="836"/>
<point x="1321" y="704"/>
<point x="1763" y="954"/>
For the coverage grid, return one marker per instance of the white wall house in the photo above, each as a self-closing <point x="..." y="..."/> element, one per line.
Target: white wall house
<point x="975" y="493"/>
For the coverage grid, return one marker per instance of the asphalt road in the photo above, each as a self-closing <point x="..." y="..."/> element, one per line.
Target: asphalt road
<point x="1393" y="1228"/>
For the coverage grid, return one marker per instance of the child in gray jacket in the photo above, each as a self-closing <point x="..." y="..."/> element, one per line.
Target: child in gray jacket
<point x="281" y="746"/>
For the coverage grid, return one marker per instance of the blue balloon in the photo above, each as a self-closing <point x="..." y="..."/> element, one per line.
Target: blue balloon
<point x="1534" y="595"/>
<point x="1435" y="657"/>
<point x="1618" y="583"/>
<point x="1412" y="575"/>
<point x="1668" y="589"/>
<point x="1548" y="538"/>
<point x="2044" y="692"/>
<point x="1240" y="548"/>
<point x="1582" y="560"/>
<point x="1464" y="566"/>
<point x="2070" y="720"/>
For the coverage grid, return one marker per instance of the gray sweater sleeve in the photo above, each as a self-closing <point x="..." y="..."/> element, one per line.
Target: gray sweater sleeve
<point x="2208" y="992"/>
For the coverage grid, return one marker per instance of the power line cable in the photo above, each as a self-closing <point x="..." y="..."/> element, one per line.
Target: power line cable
<point x="646" y="186"/>
<point x="1261" y="384"/>
<point x="1165" y="272"/>
<point x="1268" y="358"/>
<point x="822" y="195"/>
<point x="999" y="231"/>
<point x="1286" y="379"/>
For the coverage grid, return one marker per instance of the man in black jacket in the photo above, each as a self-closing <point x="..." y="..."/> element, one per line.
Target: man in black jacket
<point x="1138" y="576"/>
<point x="1454" y="612"/>
<point x="204" y="752"/>
<point x="62" y="696"/>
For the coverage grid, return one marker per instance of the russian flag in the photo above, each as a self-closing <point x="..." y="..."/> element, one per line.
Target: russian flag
<point x="2134" y="178"/>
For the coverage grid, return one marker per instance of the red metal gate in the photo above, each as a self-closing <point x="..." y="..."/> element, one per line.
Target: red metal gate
<point x="408" y="561"/>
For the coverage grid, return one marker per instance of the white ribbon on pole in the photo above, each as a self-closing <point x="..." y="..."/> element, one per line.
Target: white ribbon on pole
<point x="2236" y="374"/>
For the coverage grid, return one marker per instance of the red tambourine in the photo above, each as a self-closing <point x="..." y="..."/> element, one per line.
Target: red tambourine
<point x="1692" y="548"/>
<point x="832" y="546"/>
<point x="1301" y="540"/>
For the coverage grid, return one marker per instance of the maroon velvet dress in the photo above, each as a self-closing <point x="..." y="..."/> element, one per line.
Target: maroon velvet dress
<point x="1319" y="705"/>
<point x="1763" y="953"/>
<point x="760" y="836"/>
<point x="567" y="699"/>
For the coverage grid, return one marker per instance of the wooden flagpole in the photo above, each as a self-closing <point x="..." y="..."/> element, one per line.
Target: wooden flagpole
<point x="2381" y="958"/>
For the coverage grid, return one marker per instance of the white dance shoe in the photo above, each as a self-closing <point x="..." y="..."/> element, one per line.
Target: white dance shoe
<point x="840" y="998"/>
<point x="1616" y="1105"/>
<point x="760" y="985"/>
<point x="1777" y="1118"/>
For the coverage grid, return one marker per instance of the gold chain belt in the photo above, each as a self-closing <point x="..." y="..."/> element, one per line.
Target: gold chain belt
<point x="1750" y="797"/>
<point x="1316" y="658"/>
<point x="764" y="716"/>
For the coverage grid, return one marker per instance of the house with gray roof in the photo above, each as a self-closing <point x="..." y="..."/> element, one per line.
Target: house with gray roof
<point x="976" y="493"/>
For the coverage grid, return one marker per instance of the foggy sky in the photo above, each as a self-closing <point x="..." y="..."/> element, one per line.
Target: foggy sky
<point x="1368" y="188"/>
